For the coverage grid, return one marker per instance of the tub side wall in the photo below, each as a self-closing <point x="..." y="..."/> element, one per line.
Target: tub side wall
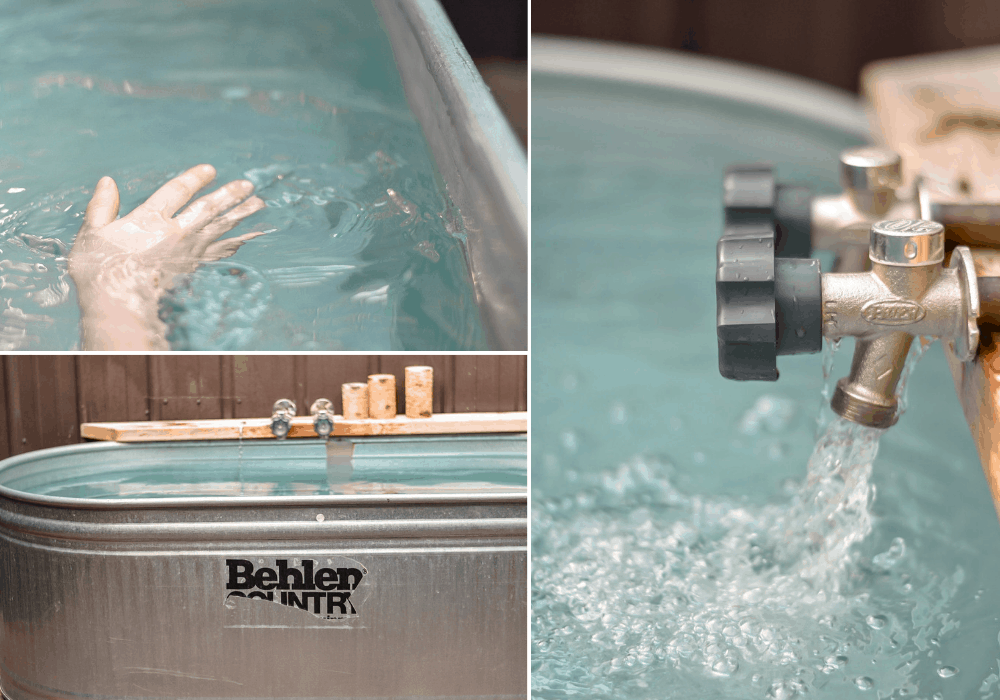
<point x="439" y="618"/>
<point x="480" y="160"/>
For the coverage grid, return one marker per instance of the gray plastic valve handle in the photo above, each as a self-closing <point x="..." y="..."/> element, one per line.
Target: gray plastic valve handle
<point x="768" y="304"/>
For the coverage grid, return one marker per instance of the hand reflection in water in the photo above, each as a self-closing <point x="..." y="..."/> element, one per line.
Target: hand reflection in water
<point x="122" y="267"/>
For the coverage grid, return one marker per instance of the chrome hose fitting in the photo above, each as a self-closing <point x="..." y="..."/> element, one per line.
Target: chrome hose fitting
<point x="281" y="418"/>
<point x="322" y="413"/>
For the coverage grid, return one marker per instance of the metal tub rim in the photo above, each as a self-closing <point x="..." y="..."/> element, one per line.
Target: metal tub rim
<point x="775" y="90"/>
<point x="222" y="502"/>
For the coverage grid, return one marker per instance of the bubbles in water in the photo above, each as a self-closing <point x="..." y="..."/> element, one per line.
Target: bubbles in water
<point x="619" y="415"/>
<point x="645" y="575"/>
<point x="770" y="413"/>
<point x="638" y="583"/>
<point x="947" y="671"/>
<point x="570" y="381"/>
<point x="876" y="622"/>
<point x="569" y="440"/>
<point x="889" y="558"/>
<point x="833" y="663"/>
<point x="784" y="690"/>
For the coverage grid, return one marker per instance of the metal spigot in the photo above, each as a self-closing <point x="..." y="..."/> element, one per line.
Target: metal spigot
<point x="871" y="177"/>
<point x="873" y="191"/>
<point x="908" y="292"/>
<point x="769" y="306"/>
<point x="281" y="418"/>
<point x="322" y="413"/>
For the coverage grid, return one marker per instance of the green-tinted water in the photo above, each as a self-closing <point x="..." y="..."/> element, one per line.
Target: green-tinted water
<point x="470" y="464"/>
<point x="303" y="99"/>
<point x="679" y="549"/>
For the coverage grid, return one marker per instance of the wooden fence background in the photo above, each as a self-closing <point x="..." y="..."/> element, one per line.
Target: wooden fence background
<point x="46" y="397"/>
<point x="828" y="40"/>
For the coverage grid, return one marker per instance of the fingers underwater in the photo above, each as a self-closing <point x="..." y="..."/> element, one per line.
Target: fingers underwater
<point x="103" y="206"/>
<point x="220" y="224"/>
<point x="223" y="249"/>
<point x="177" y="192"/>
<point x="202" y="211"/>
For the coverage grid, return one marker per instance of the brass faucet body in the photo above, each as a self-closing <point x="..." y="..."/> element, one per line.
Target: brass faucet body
<point x="907" y="292"/>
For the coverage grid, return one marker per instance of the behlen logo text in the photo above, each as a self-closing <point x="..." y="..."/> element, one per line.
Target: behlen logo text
<point x="323" y="592"/>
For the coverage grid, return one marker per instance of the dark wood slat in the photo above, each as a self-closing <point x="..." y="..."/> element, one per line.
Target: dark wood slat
<point x="259" y="381"/>
<point x="512" y="370"/>
<point x="4" y="417"/>
<point x="466" y="369"/>
<point x="487" y="394"/>
<point x="226" y="368"/>
<point x="59" y="419"/>
<point x="828" y="41"/>
<point x="186" y="387"/>
<point x="112" y="388"/>
<point x="42" y="402"/>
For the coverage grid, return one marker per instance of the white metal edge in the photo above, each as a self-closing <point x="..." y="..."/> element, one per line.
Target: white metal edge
<point x="678" y="70"/>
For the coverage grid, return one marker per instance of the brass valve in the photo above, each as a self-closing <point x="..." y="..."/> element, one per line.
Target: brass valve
<point x="907" y="292"/>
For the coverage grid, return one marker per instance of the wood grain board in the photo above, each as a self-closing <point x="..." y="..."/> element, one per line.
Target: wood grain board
<point x="260" y="428"/>
<point x="941" y="113"/>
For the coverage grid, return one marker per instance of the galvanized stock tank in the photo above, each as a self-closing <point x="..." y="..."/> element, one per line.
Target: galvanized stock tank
<point x="372" y="567"/>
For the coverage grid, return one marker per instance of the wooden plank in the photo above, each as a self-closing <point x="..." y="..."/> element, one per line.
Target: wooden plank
<point x="259" y="428"/>
<point x="185" y="387"/>
<point x="112" y="387"/>
<point x="978" y="385"/>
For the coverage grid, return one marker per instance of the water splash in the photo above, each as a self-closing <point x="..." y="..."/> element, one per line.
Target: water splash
<point x="653" y="577"/>
<point x="830" y="348"/>
<point x="643" y="590"/>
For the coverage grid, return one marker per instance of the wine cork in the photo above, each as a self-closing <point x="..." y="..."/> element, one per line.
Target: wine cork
<point x="355" y="396"/>
<point x="381" y="396"/>
<point x="419" y="385"/>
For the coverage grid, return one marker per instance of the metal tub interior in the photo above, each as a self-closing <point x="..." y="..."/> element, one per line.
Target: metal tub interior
<point x="478" y="156"/>
<point x="414" y="591"/>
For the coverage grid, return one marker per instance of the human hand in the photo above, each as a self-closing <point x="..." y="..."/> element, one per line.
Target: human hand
<point x="122" y="267"/>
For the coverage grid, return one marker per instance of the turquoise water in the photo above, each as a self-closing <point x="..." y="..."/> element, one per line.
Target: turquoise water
<point x="297" y="467"/>
<point x="689" y="538"/>
<point x="364" y="249"/>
